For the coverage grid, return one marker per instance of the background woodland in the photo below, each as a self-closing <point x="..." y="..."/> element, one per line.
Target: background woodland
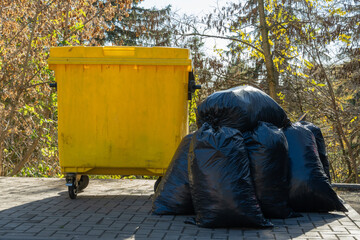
<point x="303" y="53"/>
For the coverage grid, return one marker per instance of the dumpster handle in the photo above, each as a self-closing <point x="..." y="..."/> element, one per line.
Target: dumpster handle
<point x="53" y="85"/>
<point x="192" y="87"/>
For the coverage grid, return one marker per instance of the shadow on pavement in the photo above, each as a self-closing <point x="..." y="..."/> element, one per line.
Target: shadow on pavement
<point x="129" y="217"/>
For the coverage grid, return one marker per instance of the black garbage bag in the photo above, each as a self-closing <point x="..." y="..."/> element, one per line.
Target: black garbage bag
<point x="310" y="189"/>
<point x="321" y="146"/>
<point x="268" y="153"/>
<point x="241" y="108"/>
<point x="220" y="182"/>
<point x="173" y="193"/>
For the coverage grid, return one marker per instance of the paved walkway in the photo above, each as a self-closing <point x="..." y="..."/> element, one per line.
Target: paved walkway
<point x="39" y="208"/>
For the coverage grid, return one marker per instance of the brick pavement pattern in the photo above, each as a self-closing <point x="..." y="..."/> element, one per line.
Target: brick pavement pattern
<point x="40" y="208"/>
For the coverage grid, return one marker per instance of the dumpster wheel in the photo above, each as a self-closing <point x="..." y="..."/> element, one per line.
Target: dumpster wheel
<point x="72" y="182"/>
<point x="157" y="183"/>
<point x="73" y="191"/>
<point x="83" y="183"/>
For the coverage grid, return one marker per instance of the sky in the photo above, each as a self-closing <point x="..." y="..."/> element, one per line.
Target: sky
<point x="185" y="6"/>
<point x="192" y="7"/>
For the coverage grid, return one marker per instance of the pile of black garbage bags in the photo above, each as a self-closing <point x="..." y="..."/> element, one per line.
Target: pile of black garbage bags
<point x="246" y="164"/>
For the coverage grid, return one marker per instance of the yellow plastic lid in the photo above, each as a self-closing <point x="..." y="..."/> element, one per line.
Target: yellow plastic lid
<point x="120" y="55"/>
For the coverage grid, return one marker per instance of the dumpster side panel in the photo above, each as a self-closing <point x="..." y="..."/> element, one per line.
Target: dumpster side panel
<point x="77" y="116"/>
<point x="120" y="116"/>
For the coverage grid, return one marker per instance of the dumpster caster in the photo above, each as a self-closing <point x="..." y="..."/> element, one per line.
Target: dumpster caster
<point x="84" y="182"/>
<point x="73" y="191"/>
<point x="72" y="184"/>
<point x="157" y="183"/>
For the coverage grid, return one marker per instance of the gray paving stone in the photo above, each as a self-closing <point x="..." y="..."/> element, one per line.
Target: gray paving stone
<point x="280" y="229"/>
<point x="95" y="232"/>
<point x="346" y="237"/>
<point x="296" y="231"/>
<point x="60" y="235"/>
<point x="284" y="236"/>
<point x="339" y="229"/>
<point x="162" y="225"/>
<point x="235" y="238"/>
<point x="171" y="236"/>
<point x="46" y="233"/>
<point x="82" y="229"/>
<point x="267" y="236"/>
<point x="19" y="235"/>
<point x="219" y="236"/>
<point x="176" y="227"/>
<point x="312" y="234"/>
<point x="23" y="227"/>
<point x="354" y="231"/>
<point x="121" y="209"/>
<point x="207" y="235"/>
<point x="187" y="238"/>
<point x="158" y="235"/>
<point x="178" y="232"/>
<point x="11" y="225"/>
<point x="143" y="231"/>
<point x="35" y="230"/>
<point x="109" y="235"/>
<point x="191" y="231"/>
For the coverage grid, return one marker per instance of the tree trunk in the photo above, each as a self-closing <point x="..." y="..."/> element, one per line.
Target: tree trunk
<point x="339" y="138"/>
<point x="19" y="91"/>
<point x="66" y="29"/>
<point x="272" y="76"/>
<point x="4" y="131"/>
<point x="339" y="125"/>
<point x="26" y="157"/>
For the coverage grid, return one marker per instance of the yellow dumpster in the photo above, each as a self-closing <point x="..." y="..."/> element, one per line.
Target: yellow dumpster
<point x="121" y="110"/>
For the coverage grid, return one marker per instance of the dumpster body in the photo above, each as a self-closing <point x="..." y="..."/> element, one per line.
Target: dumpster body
<point x="121" y="110"/>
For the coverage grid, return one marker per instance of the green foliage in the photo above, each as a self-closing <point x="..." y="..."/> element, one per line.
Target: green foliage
<point x="192" y="111"/>
<point x="28" y="116"/>
<point x="314" y="48"/>
<point x="314" y="60"/>
<point x="142" y="27"/>
<point x="42" y="169"/>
